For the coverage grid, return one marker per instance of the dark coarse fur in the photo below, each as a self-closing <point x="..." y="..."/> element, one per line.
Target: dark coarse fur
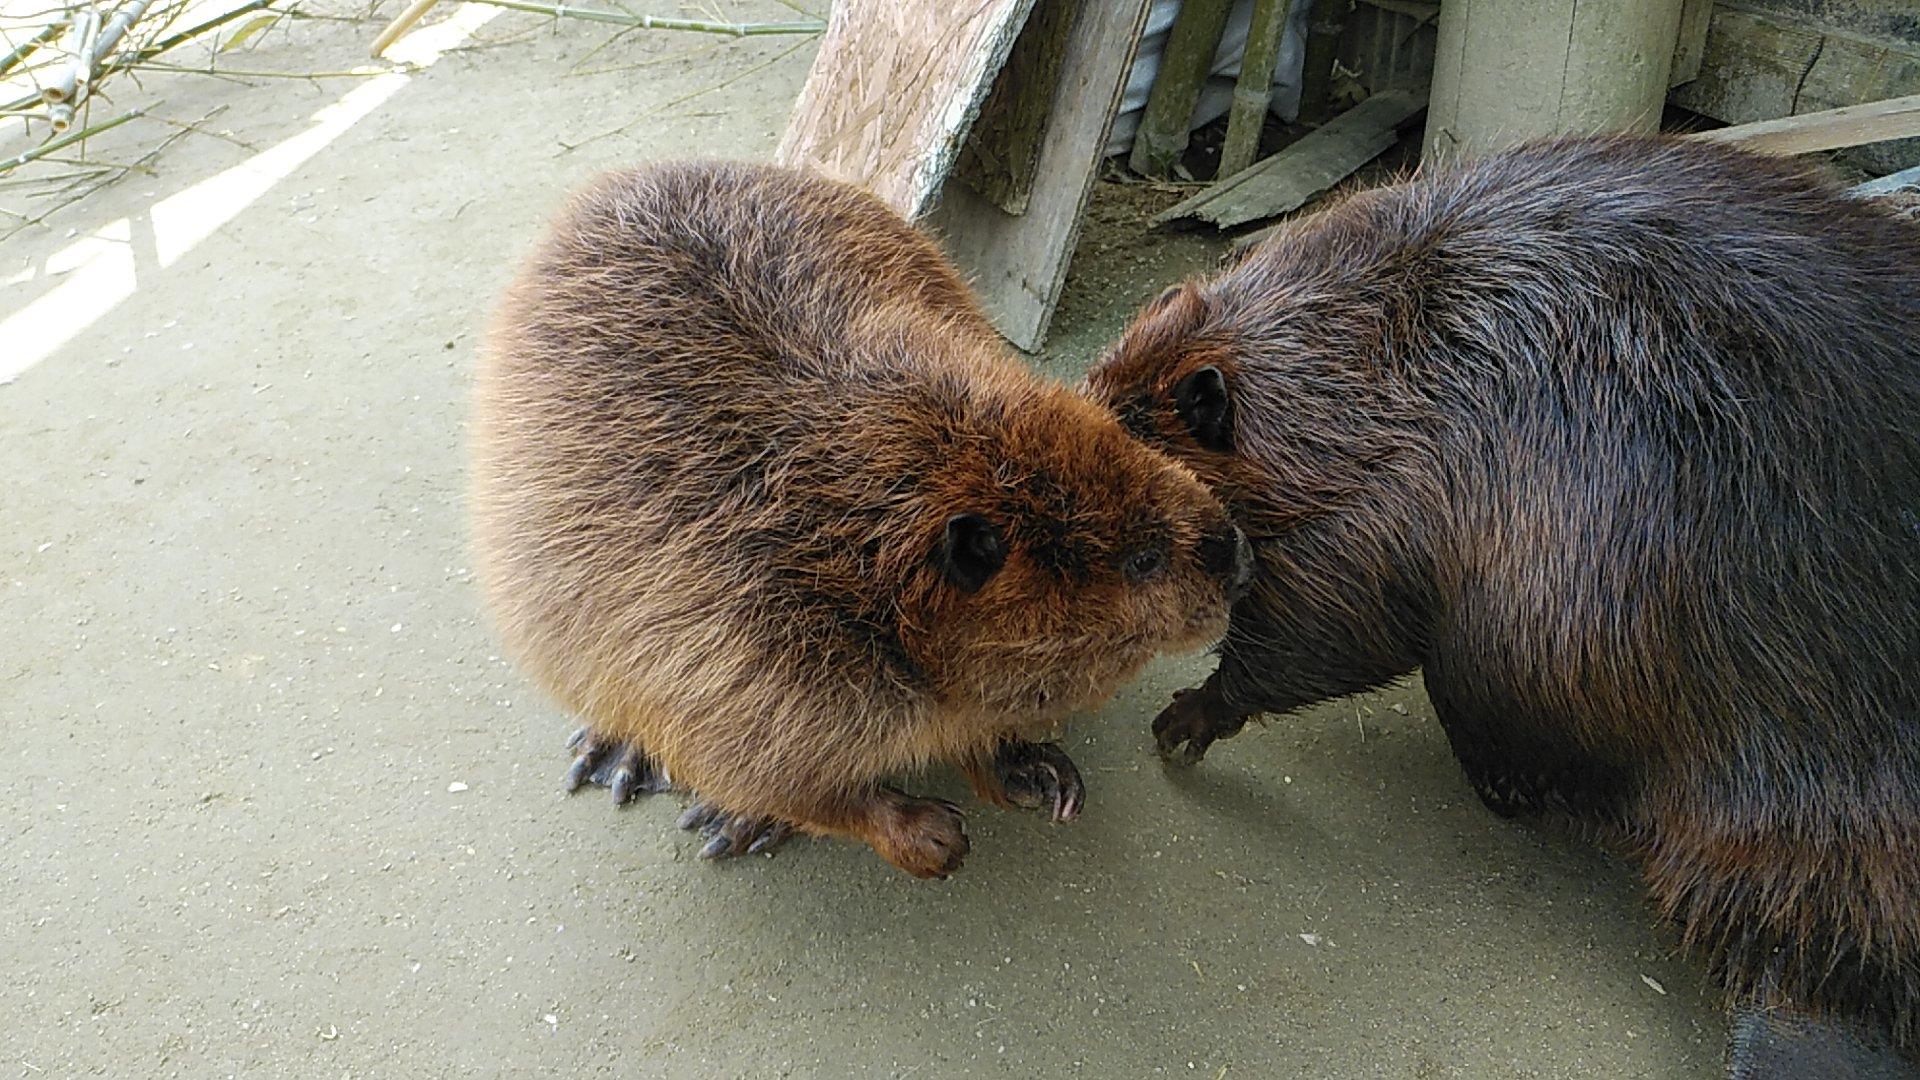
<point x="758" y="490"/>
<point x="1617" y="438"/>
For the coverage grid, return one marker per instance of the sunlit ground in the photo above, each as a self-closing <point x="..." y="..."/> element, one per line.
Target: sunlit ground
<point x="102" y="269"/>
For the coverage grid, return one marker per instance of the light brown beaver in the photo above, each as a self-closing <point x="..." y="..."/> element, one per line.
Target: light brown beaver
<point x="1618" y="440"/>
<point x="762" y="498"/>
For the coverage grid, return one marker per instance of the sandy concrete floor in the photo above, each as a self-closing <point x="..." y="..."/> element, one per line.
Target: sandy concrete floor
<point x="242" y="667"/>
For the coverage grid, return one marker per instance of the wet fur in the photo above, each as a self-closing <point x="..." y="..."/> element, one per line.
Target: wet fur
<point x="1619" y="440"/>
<point x="723" y="418"/>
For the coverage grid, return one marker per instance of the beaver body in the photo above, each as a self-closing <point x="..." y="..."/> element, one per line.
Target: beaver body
<point x="1619" y="441"/>
<point x="761" y="497"/>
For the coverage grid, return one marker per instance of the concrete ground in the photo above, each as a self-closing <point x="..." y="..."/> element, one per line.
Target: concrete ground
<point x="272" y="806"/>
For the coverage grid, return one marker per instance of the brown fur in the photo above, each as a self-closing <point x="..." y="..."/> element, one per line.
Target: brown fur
<point x="724" y="417"/>
<point x="1619" y="441"/>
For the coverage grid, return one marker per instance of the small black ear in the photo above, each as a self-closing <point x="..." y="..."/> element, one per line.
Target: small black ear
<point x="1201" y="399"/>
<point x="972" y="551"/>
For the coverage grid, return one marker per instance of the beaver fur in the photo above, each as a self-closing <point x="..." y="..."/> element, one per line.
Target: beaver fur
<point x="1619" y="440"/>
<point x="762" y="498"/>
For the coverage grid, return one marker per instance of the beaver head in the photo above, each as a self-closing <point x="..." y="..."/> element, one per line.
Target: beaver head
<point x="1042" y="555"/>
<point x="1283" y="389"/>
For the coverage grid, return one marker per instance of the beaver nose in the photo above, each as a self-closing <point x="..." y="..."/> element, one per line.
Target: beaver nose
<point x="1227" y="555"/>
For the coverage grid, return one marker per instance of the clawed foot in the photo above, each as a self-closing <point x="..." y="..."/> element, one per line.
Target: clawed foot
<point x="1783" y="1044"/>
<point x="615" y="764"/>
<point x="925" y="837"/>
<point x="730" y="834"/>
<point x="1194" y="721"/>
<point x="1039" y="776"/>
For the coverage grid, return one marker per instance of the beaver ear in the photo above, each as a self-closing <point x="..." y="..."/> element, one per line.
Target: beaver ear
<point x="972" y="551"/>
<point x="1202" y="401"/>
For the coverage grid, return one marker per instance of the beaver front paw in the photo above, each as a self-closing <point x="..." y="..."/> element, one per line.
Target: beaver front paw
<point x="1195" y="720"/>
<point x="925" y="837"/>
<point x="613" y="763"/>
<point x="1035" y="775"/>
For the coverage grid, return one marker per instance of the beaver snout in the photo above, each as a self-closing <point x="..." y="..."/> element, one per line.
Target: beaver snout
<point x="1227" y="555"/>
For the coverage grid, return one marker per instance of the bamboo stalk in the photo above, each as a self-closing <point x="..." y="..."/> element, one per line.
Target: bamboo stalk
<point x="25" y="49"/>
<point x="656" y="22"/>
<point x="117" y="27"/>
<point x="79" y="41"/>
<point x="413" y="14"/>
<point x="1254" y="89"/>
<point x="85" y="67"/>
<point x="62" y="143"/>
<point x="188" y="34"/>
<point x="1195" y="37"/>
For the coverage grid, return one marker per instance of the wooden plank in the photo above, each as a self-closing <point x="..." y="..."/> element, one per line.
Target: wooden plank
<point x="1321" y="159"/>
<point x="999" y="158"/>
<point x="894" y="89"/>
<point x="1018" y="263"/>
<point x="1833" y="129"/>
<point x="1892" y="184"/>
<point x="1695" y="17"/>
<point x="1758" y="66"/>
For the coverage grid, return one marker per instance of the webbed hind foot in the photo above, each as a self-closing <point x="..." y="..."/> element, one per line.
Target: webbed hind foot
<point x="1783" y="1044"/>
<point x="730" y="834"/>
<point x="613" y="763"/>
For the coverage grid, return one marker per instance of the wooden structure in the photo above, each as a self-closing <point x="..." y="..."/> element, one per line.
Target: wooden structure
<point x="1019" y="261"/>
<point x="894" y="95"/>
<point x="894" y="89"/>
<point x="1510" y="70"/>
<point x="988" y="120"/>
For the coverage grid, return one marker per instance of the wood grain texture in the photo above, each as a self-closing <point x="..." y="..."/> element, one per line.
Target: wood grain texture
<point x="1002" y="153"/>
<point x="1321" y="159"/>
<point x="1018" y="263"/>
<point x="1833" y="129"/>
<point x="894" y="89"/>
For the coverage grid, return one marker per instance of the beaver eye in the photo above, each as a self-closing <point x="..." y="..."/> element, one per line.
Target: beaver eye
<point x="1144" y="563"/>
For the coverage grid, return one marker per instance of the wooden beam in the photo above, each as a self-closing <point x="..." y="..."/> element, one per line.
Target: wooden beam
<point x="1253" y="91"/>
<point x="1184" y="63"/>
<point x="894" y="90"/>
<point x="1833" y="129"/>
<point x="1759" y="65"/>
<point x="1695" y="17"/>
<point x="1018" y="263"/>
<point x="1318" y="161"/>
<point x="999" y="158"/>
<point x="1507" y="71"/>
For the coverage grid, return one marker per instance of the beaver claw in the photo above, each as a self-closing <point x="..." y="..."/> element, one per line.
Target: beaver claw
<point x="1035" y="775"/>
<point x="615" y="764"/>
<point x="1194" y="721"/>
<point x="731" y="834"/>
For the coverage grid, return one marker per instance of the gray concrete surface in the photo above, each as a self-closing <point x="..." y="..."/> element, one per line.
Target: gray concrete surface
<point x="242" y="665"/>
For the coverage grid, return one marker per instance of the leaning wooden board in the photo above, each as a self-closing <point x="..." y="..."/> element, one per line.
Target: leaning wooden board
<point x="1318" y="161"/>
<point x="893" y="90"/>
<point x="1019" y="262"/>
<point x="1832" y="129"/>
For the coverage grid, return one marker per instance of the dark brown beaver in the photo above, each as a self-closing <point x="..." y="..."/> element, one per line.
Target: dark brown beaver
<point x="761" y="497"/>
<point x="1619" y="441"/>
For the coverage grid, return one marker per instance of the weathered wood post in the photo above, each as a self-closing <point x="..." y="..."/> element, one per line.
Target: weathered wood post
<point x="1509" y="70"/>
